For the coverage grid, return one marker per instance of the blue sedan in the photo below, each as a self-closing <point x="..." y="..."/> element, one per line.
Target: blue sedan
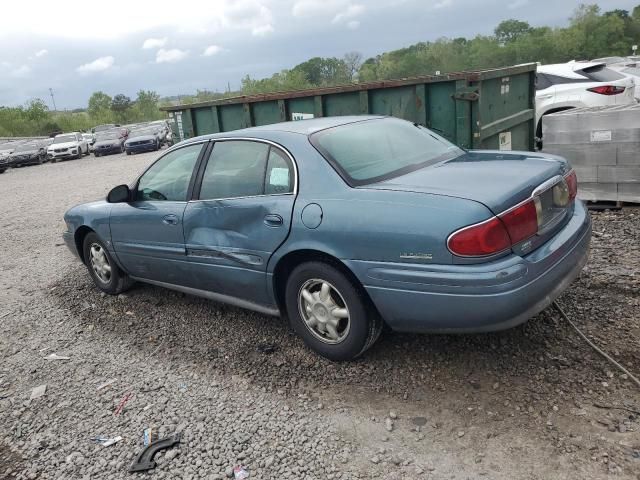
<point x="342" y="225"/>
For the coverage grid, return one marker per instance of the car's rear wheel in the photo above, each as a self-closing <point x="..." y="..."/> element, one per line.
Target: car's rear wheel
<point x="330" y="312"/>
<point x="96" y="154"/>
<point x="104" y="272"/>
<point x="54" y="159"/>
<point x="2" y="170"/>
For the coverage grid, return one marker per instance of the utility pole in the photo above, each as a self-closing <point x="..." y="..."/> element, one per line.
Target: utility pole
<point x="53" y="99"/>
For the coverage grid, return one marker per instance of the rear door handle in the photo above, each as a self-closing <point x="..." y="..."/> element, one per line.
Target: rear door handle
<point x="273" y="220"/>
<point x="170" y="219"/>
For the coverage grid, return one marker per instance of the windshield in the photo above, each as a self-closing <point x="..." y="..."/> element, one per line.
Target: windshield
<point x="375" y="150"/>
<point x="65" y="139"/>
<point x="100" y="128"/>
<point x="140" y="133"/>
<point x="26" y="147"/>
<point x="107" y="136"/>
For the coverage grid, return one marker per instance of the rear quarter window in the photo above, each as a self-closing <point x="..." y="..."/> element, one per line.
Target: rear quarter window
<point x="600" y="73"/>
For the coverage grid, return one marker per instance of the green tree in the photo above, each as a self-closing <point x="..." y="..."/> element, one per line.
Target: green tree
<point x="120" y="106"/>
<point x="99" y="103"/>
<point x="147" y="104"/>
<point x="510" y="30"/>
<point x="36" y="111"/>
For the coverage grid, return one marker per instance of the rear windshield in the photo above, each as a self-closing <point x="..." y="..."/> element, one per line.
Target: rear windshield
<point x="600" y="73"/>
<point x="375" y="150"/>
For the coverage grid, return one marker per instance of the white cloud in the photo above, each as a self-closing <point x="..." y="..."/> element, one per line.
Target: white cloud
<point x="350" y="12"/>
<point x="98" y="65"/>
<point x="250" y="15"/>
<point x="150" y="43"/>
<point x="340" y="11"/>
<point x="41" y="53"/>
<point x="443" y="4"/>
<point x="21" y="72"/>
<point x="262" y="30"/>
<point x="517" y="4"/>
<point x="171" y="56"/>
<point x="211" y="50"/>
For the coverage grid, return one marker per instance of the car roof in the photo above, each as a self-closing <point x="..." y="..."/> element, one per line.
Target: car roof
<point x="301" y="127"/>
<point x="68" y="133"/>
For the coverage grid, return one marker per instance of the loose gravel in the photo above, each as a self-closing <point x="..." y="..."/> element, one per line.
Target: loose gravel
<point x="533" y="402"/>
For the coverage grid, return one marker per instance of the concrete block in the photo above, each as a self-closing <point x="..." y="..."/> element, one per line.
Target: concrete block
<point x="586" y="174"/>
<point x="584" y="155"/>
<point x="619" y="174"/>
<point x="598" y="191"/>
<point x="629" y="192"/>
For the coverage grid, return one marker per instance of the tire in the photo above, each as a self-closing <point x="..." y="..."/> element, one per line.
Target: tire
<point x="349" y="339"/>
<point x="113" y="281"/>
<point x="128" y="152"/>
<point x="80" y="154"/>
<point x="3" y="170"/>
<point x="121" y="148"/>
<point x="54" y="160"/>
<point x="96" y="154"/>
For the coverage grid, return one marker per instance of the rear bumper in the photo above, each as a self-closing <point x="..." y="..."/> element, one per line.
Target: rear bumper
<point x="478" y="298"/>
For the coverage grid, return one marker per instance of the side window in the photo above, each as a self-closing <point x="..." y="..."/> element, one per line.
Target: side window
<point x="168" y="179"/>
<point x="279" y="178"/>
<point x="542" y="81"/>
<point x="236" y="169"/>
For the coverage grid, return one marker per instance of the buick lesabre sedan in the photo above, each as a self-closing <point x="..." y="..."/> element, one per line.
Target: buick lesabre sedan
<point x="343" y="224"/>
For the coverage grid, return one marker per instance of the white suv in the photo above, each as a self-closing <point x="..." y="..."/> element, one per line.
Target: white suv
<point x="579" y="84"/>
<point x="67" y="145"/>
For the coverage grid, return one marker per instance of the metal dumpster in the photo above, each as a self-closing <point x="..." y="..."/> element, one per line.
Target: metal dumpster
<point x="491" y="109"/>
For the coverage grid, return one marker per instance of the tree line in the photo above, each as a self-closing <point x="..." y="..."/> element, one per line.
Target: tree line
<point x="35" y="119"/>
<point x="590" y="33"/>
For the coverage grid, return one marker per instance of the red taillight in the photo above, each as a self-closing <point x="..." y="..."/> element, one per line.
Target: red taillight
<point x="479" y="240"/>
<point x="607" y="90"/>
<point x="572" y="182"/>
<point x="521" y="221"/>
<point x="496" y="234"/>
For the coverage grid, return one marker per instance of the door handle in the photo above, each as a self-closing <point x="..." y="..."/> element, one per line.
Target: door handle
<point x="273" y="220"/>
<point x="170" y="219"/>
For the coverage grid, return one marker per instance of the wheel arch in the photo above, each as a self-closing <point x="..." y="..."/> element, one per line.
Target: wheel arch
<point x="78" y="237"/>
<point x="292" y="259"/>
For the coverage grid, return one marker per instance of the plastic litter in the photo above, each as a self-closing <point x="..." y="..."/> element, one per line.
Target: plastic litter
<point x="38" y="392"/>
<point x="267" y="348"/>
<point x="239" y="473"/>
<point x="122" y="403"/>
<point x="106" y="384"/>
<point x="55" y="356"/>
<point x="150" y="436"/>
<point x="106" y="441"/>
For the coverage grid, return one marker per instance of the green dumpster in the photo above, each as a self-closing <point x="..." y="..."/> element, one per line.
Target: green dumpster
<point x="489" y="109"/>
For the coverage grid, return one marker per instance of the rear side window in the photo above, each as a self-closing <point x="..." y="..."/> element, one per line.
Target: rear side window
<point x="542" y="81"/>
<point x="235" y="169"/>
<point x="600" y="73"/>
<point x="243" y="168"/>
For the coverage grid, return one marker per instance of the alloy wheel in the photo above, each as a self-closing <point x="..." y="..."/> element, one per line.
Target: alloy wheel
<point x="324" y="311"/>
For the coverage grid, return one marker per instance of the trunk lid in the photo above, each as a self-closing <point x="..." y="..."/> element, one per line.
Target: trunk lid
<point x="496" y="179"/>
<point x="499" y="180"/>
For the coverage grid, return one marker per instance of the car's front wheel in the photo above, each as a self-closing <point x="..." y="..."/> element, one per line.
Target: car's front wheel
<point x="104" y="272"/>
<point x="330" y="312"/>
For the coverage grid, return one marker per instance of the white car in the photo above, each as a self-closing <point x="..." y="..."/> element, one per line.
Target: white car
<point x="579" y="84"/>
<point x="67" y="145"/>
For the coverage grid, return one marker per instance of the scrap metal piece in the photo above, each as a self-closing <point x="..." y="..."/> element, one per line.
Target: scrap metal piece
<point x="144" y="461"/>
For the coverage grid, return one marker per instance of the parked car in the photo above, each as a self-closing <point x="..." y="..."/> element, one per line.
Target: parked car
<point x="67" y="145"/>
<point x="143" y="140"/>
<point x="6" y="149"/>
<point x="104" y="127"/>
<point x="164" y="129"/>
<point x="29" y="153"/>
<point x="341" y="224"/>
<point x="111" y="141"/>
<point x="579" y="84"/>
<point x="91" y="140"/>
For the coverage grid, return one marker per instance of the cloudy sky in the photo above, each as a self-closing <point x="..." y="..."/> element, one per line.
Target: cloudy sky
<point x="78" y="47"/>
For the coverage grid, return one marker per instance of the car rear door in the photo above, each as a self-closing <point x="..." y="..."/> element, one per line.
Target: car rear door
<point x="147" y="232"/>
<point x="240" y="215"/>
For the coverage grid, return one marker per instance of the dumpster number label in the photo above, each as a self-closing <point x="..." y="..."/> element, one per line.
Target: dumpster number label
<point x="505" y="141"/>
<point x="301" y="116"/>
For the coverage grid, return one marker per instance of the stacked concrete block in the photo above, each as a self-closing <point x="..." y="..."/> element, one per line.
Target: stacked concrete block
<point x="603" y="146"/>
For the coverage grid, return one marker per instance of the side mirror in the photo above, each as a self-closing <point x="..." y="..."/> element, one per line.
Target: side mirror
<point x="119" y="194"/>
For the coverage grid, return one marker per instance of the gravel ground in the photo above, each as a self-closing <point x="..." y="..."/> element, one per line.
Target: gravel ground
<point x="534" y="402"/>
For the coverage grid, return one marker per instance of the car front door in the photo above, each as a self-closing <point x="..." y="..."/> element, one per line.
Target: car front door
<point x="241" y="213"/>
<point x="147" y="232"/>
